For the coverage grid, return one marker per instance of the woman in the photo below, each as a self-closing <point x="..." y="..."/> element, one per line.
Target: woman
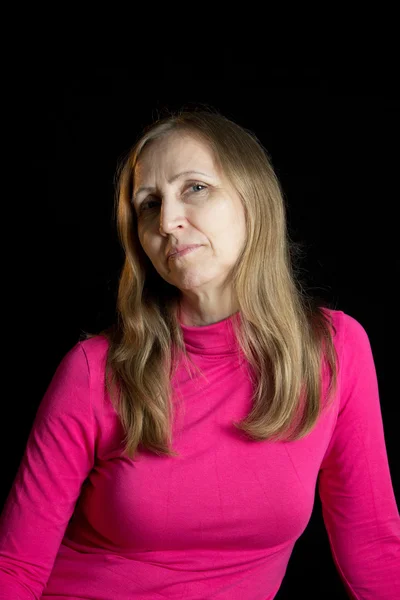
<point x="176" y="454"/>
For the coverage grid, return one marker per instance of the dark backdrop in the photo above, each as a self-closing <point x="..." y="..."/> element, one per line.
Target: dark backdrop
<point x="334" y="152"/>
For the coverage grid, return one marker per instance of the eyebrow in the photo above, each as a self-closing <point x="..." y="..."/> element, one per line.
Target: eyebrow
<point x="150" y="189"/>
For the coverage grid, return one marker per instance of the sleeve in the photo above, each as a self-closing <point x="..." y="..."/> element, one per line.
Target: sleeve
<point x="357" y="498"/>
<point x="58" y="457"/>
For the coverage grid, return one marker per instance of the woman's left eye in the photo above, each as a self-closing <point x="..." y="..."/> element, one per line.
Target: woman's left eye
<point x="198" y="185"/>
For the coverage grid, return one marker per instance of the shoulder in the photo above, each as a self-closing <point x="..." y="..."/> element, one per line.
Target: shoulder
<point x="95" y="352"/>
<point x="351" y="341"/>
<point x="347" y="329"/>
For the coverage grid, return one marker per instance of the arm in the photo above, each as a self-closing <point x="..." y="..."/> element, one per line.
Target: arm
<point x="58" y="457"/>
<point x="358" y="504"/>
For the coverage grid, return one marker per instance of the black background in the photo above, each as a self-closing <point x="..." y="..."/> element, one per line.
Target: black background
<point x="335" y="152"/>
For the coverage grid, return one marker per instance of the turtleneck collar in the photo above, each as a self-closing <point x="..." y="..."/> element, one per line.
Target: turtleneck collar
<point x="215" y="339"/>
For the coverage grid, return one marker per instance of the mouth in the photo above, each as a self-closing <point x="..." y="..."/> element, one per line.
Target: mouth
<point x="184" y="252"/>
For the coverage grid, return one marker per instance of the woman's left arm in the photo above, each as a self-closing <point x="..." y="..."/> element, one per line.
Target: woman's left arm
<point x="357" y="497"/>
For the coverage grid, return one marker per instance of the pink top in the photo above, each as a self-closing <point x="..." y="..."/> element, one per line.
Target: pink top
<point x="221" y="520"/>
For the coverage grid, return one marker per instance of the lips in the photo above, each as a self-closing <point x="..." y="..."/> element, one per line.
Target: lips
<point x="179" y="249"/>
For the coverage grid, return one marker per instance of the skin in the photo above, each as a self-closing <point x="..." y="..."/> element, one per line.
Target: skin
<point x="193" y="209"/>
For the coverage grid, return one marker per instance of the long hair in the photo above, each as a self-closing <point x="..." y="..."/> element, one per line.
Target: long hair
<point x="286" y="334"/>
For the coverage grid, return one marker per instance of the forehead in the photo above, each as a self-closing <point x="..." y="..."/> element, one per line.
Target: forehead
<point x="172" y="153"/>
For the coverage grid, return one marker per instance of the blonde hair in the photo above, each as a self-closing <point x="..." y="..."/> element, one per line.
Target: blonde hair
<point x="285" y="334"/>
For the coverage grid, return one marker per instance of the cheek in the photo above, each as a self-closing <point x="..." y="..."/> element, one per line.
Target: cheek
<point x="153" y="248"/>
<point x="146" y="239"/>
<point x="230" y="235"/>
<point x="225" y="223"/>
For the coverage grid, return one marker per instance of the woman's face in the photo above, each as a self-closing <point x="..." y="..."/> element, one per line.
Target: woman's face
<point x="187" y="200"/>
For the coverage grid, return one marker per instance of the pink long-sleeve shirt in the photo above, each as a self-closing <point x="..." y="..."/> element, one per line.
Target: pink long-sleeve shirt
<point x="221" y="520"/>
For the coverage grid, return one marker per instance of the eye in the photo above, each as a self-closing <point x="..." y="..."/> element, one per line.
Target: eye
<point x="194" y="185"/>
<point x="144" y="204"/>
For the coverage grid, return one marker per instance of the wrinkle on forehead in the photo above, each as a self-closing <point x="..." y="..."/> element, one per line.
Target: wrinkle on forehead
<point x="156" y="158"/>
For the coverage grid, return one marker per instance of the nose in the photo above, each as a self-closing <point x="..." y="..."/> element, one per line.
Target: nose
<point x="172" y="215"/>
